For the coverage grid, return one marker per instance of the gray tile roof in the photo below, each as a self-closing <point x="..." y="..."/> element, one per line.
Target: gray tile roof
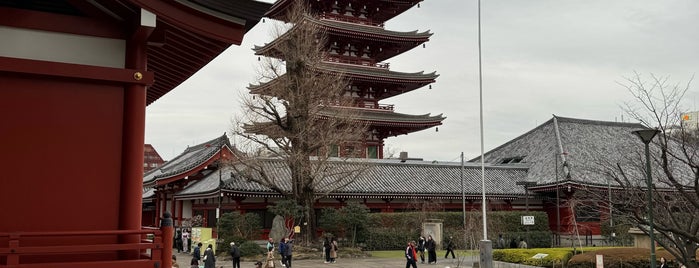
<point x="390" y="177"/>
<point x="189" y="159"/>
<point x="379" y="117"/>
<point x="586" y="145"/>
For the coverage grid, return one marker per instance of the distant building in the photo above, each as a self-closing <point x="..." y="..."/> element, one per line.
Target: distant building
<point x="690" y="120"/>
<point x="151" y="158"/>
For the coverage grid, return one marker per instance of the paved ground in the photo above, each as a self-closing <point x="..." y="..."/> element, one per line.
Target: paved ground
<point x="467" y="262"/>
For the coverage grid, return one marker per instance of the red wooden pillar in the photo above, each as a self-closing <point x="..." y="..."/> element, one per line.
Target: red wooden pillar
<point x="168" y="232"/>
<point x="133" y="134"/>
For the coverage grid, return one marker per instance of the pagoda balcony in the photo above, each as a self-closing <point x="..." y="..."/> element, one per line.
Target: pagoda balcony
<point x="358" y="61"/>
<point x="343" y="18"/>
<point x="384" y="107"/>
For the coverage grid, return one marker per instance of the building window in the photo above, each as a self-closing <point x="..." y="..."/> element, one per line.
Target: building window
<point x="587" y="212"/>
<point x="372" y="152"/>
<point x="511" y="160"/>
<point x="334" y="149"/>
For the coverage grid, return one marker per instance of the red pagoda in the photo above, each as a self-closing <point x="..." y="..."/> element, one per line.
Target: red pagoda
<point x="357" y="47"/>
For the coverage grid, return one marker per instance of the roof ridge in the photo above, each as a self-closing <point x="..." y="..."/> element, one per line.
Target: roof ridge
<point x="597" y="122"/>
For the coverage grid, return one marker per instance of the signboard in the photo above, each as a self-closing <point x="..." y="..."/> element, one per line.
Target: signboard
<point x="599" y="260"/>
<point x="540" y="256"/>
<point x="203" y="235"/>
<point x="527" y="220"/>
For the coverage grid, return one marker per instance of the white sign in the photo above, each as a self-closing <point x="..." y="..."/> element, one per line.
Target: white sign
<point x="527" y="220"/>
<point x="599" y="261"/>
<point x="540" y="256"/>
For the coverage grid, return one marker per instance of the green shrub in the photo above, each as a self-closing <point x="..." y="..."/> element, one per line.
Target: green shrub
<point x="250" y="248"/>
<point x="390" y="231"/>
<point x="556" y="256"/>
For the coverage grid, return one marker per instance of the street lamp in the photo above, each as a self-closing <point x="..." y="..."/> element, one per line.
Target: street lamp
<point x="526" y="185"/>
<point x="647" y="136"/>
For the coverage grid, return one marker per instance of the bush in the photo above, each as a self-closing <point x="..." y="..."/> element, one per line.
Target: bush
<point x="250" y="248"/>
<point x="556" y="256"/>
<point x="618" y="257"/>
<point x="390" y="231"/>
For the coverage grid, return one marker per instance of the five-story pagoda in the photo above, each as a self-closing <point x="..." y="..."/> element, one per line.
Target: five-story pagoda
<point x="357" y="46"/>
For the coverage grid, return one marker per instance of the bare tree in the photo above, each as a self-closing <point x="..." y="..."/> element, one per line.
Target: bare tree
<point x="675" y="170"/>
<point x="298" y="113"/>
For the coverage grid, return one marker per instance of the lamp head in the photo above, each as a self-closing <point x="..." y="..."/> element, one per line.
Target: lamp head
<point x="646" y="135"/>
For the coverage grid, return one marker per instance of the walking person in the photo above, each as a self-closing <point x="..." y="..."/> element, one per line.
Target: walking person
<point x="282" y="251"/>
<point x="196" y="254"/>
<point x="178" y="241"/>
<point x="450" y="248"/>
<point x="235" y="255"/>
<point x="185" y="240"/>
<point x="209" y="257"/>
<point x="333" y="250"/>
<point x="431" y="246"/>
<point x="326" y="249"/>
<point x="501" y="241"/>
<point x="421" y="249"/>
<point x="410" y="255"/>
<point x="522" y="243"/>
<point x="288" y="250"/>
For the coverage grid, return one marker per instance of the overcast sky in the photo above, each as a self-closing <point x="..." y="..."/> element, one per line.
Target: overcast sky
<point x="540" y="57"/>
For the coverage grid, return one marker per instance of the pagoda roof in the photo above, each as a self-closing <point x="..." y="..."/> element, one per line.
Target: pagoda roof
<point x="379" y="178"/>
<point x="388" y="9"/>
<point x="397" y="41"/>
<point x="193" y="159"/>
<point x="377" y="75"/>
<point x="387" y="118"/>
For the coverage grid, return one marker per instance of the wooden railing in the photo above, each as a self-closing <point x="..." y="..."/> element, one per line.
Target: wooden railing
<point x="56" y="249"/>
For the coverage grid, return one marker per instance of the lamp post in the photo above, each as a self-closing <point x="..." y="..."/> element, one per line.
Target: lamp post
<point x="647" y="136"/>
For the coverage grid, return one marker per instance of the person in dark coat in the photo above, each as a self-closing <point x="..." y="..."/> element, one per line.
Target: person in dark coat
<point x="288" y="250"/>
<point x="209" y="257"/>
<point x="513" y="243"/>
<point x="450" y="248"/>
<point x="421" y="249"/>
<point x="282" y="250"/>
<point x="431" y="246"/>
<point x="196" y="254"/>
<point x="326" y="249"/>
<point x="235" y="255"/>
<point x="410" y="256"/>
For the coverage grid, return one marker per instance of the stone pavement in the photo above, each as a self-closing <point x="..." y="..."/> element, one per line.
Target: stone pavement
<point x="466" y="262"/>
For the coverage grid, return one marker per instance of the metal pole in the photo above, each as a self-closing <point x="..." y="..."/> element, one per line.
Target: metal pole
<point x="558" y="206"/>
<point x="486" y="246"/>
<point x="650" y="207"/>
<point x="463" y="193"/>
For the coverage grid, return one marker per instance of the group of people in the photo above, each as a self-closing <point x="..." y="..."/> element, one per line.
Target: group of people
<point x="182" y="239"/>
<point x="209" y="257"/>
<point x="286" y="248"/>
<point x="513" y="243"/>
<point x="426" y="245"/>
<point x="330" y="249"/>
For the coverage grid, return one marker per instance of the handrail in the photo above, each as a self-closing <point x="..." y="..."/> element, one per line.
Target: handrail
<point x="14" y="247"/>
<point x="145" y="230"/>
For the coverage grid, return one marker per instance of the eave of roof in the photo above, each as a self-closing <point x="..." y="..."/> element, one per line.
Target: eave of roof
<point x="191" y="161"/>
<point x="389" y="118"/>
<point x="385" y="14"/>
<point x="204" y="28"/>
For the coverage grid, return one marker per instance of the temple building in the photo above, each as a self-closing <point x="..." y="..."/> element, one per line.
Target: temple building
<point x="539" y="171"/>
<point x="358" y="46"/>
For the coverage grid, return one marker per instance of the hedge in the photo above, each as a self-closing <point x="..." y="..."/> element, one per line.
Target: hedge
<point x="390" y="231"/>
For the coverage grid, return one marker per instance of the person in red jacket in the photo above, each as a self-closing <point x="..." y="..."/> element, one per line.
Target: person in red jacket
<point x="411" y="255"/>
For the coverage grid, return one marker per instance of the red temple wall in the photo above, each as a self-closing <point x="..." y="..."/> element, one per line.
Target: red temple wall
<point x="62" y="142"/>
